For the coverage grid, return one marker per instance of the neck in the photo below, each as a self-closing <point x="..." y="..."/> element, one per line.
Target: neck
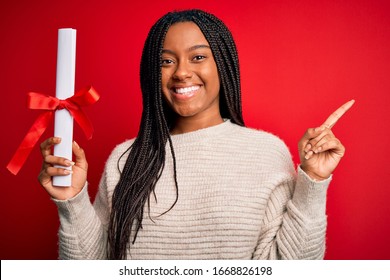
<point x="189" y="124"/>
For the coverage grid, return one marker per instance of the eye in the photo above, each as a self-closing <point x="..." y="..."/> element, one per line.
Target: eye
<point x="198" y="57"/>
<point x="166" y="61"/>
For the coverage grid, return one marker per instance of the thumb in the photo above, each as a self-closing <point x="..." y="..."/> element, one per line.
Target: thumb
<point x="310" y="134"/>
<point x="79" y="153"/>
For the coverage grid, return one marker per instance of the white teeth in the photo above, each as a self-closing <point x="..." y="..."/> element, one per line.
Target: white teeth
<point x="186" y="90"/>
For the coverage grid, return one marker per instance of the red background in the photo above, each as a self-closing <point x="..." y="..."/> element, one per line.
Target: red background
<point x="300" y="60"/>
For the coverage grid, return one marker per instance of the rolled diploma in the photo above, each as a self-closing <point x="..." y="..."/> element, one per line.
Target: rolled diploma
<point x="63" y="121"/>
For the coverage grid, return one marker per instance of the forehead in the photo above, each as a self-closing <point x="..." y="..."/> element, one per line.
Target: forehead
<point x="184" y="35"/>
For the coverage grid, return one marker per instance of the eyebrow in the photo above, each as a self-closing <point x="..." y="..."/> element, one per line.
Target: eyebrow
<point x="189" y="49"/>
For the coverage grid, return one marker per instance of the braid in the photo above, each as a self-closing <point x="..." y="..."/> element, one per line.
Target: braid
<point x="146" y="160"/>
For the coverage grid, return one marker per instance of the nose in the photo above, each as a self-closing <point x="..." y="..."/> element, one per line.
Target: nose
<point x="182" y="71"/>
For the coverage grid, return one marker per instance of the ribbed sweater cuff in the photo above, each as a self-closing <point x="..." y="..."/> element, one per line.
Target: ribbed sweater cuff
<point x="75" y="209"/>
<point x="310" y="195"/>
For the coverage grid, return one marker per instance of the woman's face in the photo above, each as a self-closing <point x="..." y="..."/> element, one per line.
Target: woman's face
<point x="190" y="81"/>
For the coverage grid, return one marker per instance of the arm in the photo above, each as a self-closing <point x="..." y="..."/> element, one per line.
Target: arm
<point x="294" y="223"/>
<point x="83" y="228"/>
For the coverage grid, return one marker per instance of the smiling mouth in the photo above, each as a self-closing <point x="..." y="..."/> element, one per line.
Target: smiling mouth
<point x="186" y="90"/>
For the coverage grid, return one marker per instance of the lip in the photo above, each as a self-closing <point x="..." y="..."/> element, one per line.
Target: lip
<point x="187" y="95"/>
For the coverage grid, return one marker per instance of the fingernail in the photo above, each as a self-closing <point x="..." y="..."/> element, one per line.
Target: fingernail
<point x="309" y="154"/>
<point x="67" y="172"/>
<point x="69" y="163"/>
<point x="77" y="145"/>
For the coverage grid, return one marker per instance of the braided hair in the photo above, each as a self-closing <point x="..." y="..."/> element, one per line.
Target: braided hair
<point x="146" y="159"/>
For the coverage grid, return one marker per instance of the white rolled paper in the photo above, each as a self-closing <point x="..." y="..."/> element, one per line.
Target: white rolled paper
<point x="63" y="121"/>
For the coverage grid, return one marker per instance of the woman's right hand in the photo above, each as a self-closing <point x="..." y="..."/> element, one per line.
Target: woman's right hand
<point x="79" y="170"/>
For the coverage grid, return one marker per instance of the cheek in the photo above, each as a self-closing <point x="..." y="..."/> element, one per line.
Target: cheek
<point x="164" y="79"/>
<point x="164" y="85"/>
<point x="167" y="97"/>
<point x="212" y="79"/>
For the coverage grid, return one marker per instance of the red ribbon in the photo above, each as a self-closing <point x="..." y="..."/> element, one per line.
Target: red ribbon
<point x="84" y="97"/>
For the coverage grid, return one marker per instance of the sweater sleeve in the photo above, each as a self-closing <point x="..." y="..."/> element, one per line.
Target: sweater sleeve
<point x="83" y="229"/>
<point x="294" y="224"/>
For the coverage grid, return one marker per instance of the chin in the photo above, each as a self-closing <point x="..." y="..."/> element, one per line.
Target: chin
<point x="186" y="113"/>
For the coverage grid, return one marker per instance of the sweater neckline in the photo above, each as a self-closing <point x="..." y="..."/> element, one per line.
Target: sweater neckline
<point x="203" y="133"/>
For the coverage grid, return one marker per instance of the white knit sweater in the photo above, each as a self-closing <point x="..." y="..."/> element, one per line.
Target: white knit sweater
<point x="239" y="198"/>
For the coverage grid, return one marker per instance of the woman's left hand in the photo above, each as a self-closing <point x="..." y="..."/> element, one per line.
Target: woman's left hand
<point x="319" y="149"/>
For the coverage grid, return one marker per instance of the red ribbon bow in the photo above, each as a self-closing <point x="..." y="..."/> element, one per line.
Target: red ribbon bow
<point x="86" y="96"/>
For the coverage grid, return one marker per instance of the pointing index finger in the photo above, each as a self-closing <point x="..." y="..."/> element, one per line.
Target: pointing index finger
<point x="336" y="115"/>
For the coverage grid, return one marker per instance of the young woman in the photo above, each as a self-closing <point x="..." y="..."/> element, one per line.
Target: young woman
<point x="195" y="183"/>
